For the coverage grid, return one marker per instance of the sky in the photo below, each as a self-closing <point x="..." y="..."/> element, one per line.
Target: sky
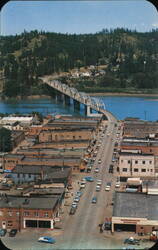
<point x="77" y="16"/>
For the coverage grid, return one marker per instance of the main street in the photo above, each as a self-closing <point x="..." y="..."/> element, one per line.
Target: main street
<point x="81" y="229"/>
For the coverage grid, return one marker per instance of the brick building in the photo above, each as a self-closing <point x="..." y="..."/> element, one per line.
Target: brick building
<point x="17" y="137"/>
<point x="65" y="135"/>
<point x="28" y="212"/>
<point x="140" y="128"/>
<point x="146" y="146"/>
<point x="11" y="160"/>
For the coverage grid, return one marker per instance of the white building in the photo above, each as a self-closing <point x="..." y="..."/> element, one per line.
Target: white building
<point x="136" y="165"/>
<point x="10" y="120"/>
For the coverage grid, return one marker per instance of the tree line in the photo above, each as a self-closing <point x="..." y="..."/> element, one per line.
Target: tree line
<point x="130" y="58"/>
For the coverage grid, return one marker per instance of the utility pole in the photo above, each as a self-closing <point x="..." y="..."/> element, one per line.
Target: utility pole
<point x="145" y="114"/>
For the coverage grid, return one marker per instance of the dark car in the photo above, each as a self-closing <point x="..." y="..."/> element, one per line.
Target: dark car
<point x="111" y="169"/>
<point x="94" y="200"/>
<point x="3" y="232"/>
<point x="13" y="232"/>
<point x="72" y="210"/>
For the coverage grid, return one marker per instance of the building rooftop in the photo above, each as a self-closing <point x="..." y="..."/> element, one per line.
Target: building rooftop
<point x="69" y="128"/>
<point x="14" y="156"/>
<point x="150" y="183"/>
<point x="135" y="205"/>
<point x="29" y="202"/>
<point x="135" y="154"/>
<point x="61" y="142"/>
<point x="54" y="172"/>
<point x="46" y="159"/>
<point x="50" y="151"/>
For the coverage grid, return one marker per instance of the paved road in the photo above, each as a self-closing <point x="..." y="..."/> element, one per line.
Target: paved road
<point x="81" y="230"/>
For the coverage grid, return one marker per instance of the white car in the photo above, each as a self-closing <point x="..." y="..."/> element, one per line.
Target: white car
<point x="99" y="182"/>
<point x="74" y="204"/>
<point x="96" y="170"/>
<point x="99" y="161"/>
<point x="117" y="185"/>
<point x="98" y="188"/>
<point x="77" y="199"/>
<point x="47" y="239"/>
<point x="108" y="186"/>
<point x="82" y="185"/>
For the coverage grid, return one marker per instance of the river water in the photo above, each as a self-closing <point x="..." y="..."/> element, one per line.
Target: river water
<point x="145" y="108"/>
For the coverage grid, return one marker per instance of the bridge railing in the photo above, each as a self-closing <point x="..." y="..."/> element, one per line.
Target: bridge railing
<point x="81" y="97"/>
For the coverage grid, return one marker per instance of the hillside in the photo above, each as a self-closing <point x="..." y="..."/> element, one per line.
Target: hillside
<point x="130" y="60"/>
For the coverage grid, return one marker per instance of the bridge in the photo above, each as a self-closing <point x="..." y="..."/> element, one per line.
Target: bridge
<point x="64" y="92"/>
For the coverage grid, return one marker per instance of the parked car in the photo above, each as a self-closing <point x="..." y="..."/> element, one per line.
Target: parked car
<point x="96" y="170"/>
<point x="74" y="204"/>
<point x="79" y="193"/>
<point x="77" y="199"/>
<point x="13" y="232"/>
<point x="47" y="239"/>
<point x="131" y="241"/>
<point x="82" y="185"/>
<point x="72" y="210"/>
<point x="94" y="200"/>
<point x="7" y="171"/>
<point x="3" y="232"/>
<point x="108" y="186"/>
<point x="99" y="182"/>
<point x="98" y="188"/>
<point x="111" y="169"/>
<point x="117" y="185"/>
<point x="89" y="178"/>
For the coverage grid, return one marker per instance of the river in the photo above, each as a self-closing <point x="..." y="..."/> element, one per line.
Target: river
<point x="145" y="108"/>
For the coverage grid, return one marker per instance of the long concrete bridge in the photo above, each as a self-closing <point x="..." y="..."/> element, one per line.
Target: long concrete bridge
<point x="64" y="92"/>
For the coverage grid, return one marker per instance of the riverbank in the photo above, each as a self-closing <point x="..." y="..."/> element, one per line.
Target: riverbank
<point x="19" y="98"/>
<point x="122" y="94"/>
<point x="34" y="97"/>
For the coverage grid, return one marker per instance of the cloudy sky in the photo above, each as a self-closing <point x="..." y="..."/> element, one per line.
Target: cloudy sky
<point x="77" y="16"/>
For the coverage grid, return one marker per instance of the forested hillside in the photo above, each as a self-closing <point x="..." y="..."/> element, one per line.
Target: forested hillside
<point x="130" y="59"/>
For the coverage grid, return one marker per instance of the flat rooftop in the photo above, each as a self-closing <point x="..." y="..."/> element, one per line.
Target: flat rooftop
<point x="135" y="205"/>
<point x="135" y="154"/>
<point x="44" y="159"/>
<point x="150" y="183"/>
<point x="54" y="172"/>
<point x="29" y="202"/>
